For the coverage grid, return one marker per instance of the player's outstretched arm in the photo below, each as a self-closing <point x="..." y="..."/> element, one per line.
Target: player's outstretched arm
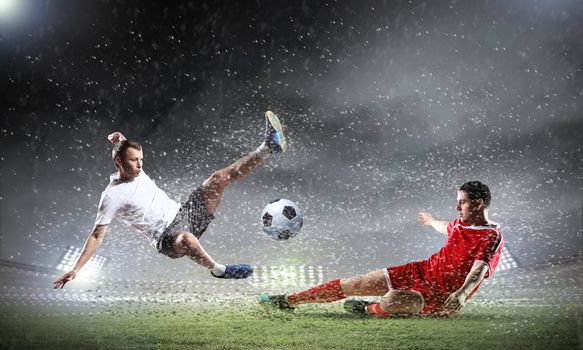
<point x="91" y="244"/>
<point x="428" y="219"/>
<point x="458" y="298"/>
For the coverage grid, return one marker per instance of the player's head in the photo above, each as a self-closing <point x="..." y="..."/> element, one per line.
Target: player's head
<point x="477" y="191"/>
<point x="473" y="199"/>
<point x="128" y="157"/>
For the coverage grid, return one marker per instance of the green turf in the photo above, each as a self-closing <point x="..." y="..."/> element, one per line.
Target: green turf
<point x="236" y="326"/>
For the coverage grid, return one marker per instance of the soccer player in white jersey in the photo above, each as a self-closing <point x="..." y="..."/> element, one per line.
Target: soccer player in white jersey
<point x="173" y="228"/>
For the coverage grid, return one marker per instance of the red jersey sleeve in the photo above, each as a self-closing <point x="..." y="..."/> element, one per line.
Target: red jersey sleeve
<point x="451" y="225"/>
<point x="489" y="248"/>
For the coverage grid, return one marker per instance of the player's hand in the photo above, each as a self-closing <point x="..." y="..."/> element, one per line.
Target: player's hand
<point x="60" y="283"/>
<point x="425" y="218"/>
<point x="454" y="302"/>
<point x="116" y="137"/>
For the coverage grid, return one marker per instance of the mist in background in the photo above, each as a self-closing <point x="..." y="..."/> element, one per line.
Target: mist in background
<point x="388" y="107"/>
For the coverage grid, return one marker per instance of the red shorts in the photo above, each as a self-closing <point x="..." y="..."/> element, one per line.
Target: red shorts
<point x="410" y="277"/>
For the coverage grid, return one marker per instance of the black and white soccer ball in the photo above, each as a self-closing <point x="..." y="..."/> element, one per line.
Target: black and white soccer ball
<point x="281" y="219"/>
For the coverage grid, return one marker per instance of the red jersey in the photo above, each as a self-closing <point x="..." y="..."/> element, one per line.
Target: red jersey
<point x="446" y="271"/>
<point x="448" y="268"/>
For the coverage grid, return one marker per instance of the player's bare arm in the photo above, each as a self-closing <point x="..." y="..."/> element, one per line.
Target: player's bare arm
<point x="429" y="220"/>
<point x="91" y="244"/>
<point x="457" y="299"/>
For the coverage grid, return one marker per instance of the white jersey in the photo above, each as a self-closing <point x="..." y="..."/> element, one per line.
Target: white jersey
<point x="138" y="203"/>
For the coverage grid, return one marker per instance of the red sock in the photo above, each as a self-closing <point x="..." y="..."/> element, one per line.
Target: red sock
<point x="324" y="293"/>
<point x="375" y="310"/>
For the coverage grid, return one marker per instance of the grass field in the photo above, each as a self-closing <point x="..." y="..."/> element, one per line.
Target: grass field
<point x="540" y="310"/>
<point x="234" y="326"/>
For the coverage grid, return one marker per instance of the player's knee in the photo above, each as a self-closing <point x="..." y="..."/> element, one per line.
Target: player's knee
<point x="373" y="283"/>
<point x="216" y="178"/>
<point x="183" y="241"/>
<point x="217" y="181"/>
<point x="351" y="286"/>
<point x="402" y="302"/>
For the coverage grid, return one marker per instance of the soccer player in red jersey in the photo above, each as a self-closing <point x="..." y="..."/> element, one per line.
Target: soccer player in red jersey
<point x="438" y="286"/>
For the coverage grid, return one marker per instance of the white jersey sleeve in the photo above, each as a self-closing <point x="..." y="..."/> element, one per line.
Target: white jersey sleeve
<point x="106" y="210"/>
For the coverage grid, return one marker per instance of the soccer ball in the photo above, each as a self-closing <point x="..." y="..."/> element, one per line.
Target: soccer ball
<point x="281" y="219"/>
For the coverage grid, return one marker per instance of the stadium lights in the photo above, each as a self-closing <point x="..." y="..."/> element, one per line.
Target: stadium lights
<point x="287" y="276"/>
<point x="93" y="266"/>
<point x="7" y="6"/>
<point x="9" y="9"/>
<point x="507" y="262"/>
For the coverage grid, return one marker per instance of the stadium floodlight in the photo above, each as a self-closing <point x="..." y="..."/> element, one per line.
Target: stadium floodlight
<point x="287" y="276"/>
<point x="9" y="9"/>
<point x="7" y="6"/>
<point x="507" y="262"/>
<point x="92" y="267"/>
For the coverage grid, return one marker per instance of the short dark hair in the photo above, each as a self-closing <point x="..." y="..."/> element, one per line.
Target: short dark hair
<point x="477" y="190"/>
<point x="123" y="146"/>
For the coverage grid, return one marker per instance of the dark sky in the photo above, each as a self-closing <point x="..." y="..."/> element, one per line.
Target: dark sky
<point x="389" y="107"/>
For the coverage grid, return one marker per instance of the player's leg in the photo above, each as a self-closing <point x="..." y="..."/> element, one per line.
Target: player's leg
<point x="373" y="283"/>
<point x="212" y="189"/>
<point x="401" y="302"/>
<point x="274" y="142"/>
<point x="186" y="243"/>
<point x="402" y="297"/>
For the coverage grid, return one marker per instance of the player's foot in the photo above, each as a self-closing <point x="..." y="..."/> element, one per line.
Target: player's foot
<point x="358" y="307"/>
<point x="274" y="138"/>
<point x="275" y="302"/>
<point x="236" y="272"/>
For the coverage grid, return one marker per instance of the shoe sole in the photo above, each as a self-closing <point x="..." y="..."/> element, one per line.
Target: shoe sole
<point x="356" y="311"/>
<point x="273" y="121"/>
<point x="264" y="301"/>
